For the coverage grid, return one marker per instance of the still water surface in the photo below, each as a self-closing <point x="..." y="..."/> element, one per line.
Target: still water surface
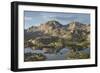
<point x="52" y="56"/>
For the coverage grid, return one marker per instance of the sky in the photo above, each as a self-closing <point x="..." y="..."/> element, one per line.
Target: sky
<point x="35" y="18"/>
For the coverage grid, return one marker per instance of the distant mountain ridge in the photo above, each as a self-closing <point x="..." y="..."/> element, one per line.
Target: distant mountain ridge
<point x="55" y="28"/>
<point x="55" y="24"/>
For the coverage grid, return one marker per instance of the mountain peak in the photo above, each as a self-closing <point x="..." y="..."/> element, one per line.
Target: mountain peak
<point x="75" y="25"/>
<point x="53" y="22"/>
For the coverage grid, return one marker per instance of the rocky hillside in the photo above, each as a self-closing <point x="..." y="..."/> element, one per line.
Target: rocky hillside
<point x="54" y="28"/>
<point x="74" y="31"/>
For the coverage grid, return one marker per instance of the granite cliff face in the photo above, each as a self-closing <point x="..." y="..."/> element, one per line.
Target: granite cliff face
<point x="49" y="26"/>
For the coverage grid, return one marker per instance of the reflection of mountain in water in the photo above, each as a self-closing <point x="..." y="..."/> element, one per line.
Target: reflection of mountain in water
<point x="53" y="56"/>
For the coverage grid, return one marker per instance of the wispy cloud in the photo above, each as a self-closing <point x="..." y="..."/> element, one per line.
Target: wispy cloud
<point x="28" y="18"/>
<point x="38" y="17"/>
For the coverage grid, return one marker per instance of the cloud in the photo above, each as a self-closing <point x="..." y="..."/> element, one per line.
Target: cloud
<point x="28" y="18"/>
